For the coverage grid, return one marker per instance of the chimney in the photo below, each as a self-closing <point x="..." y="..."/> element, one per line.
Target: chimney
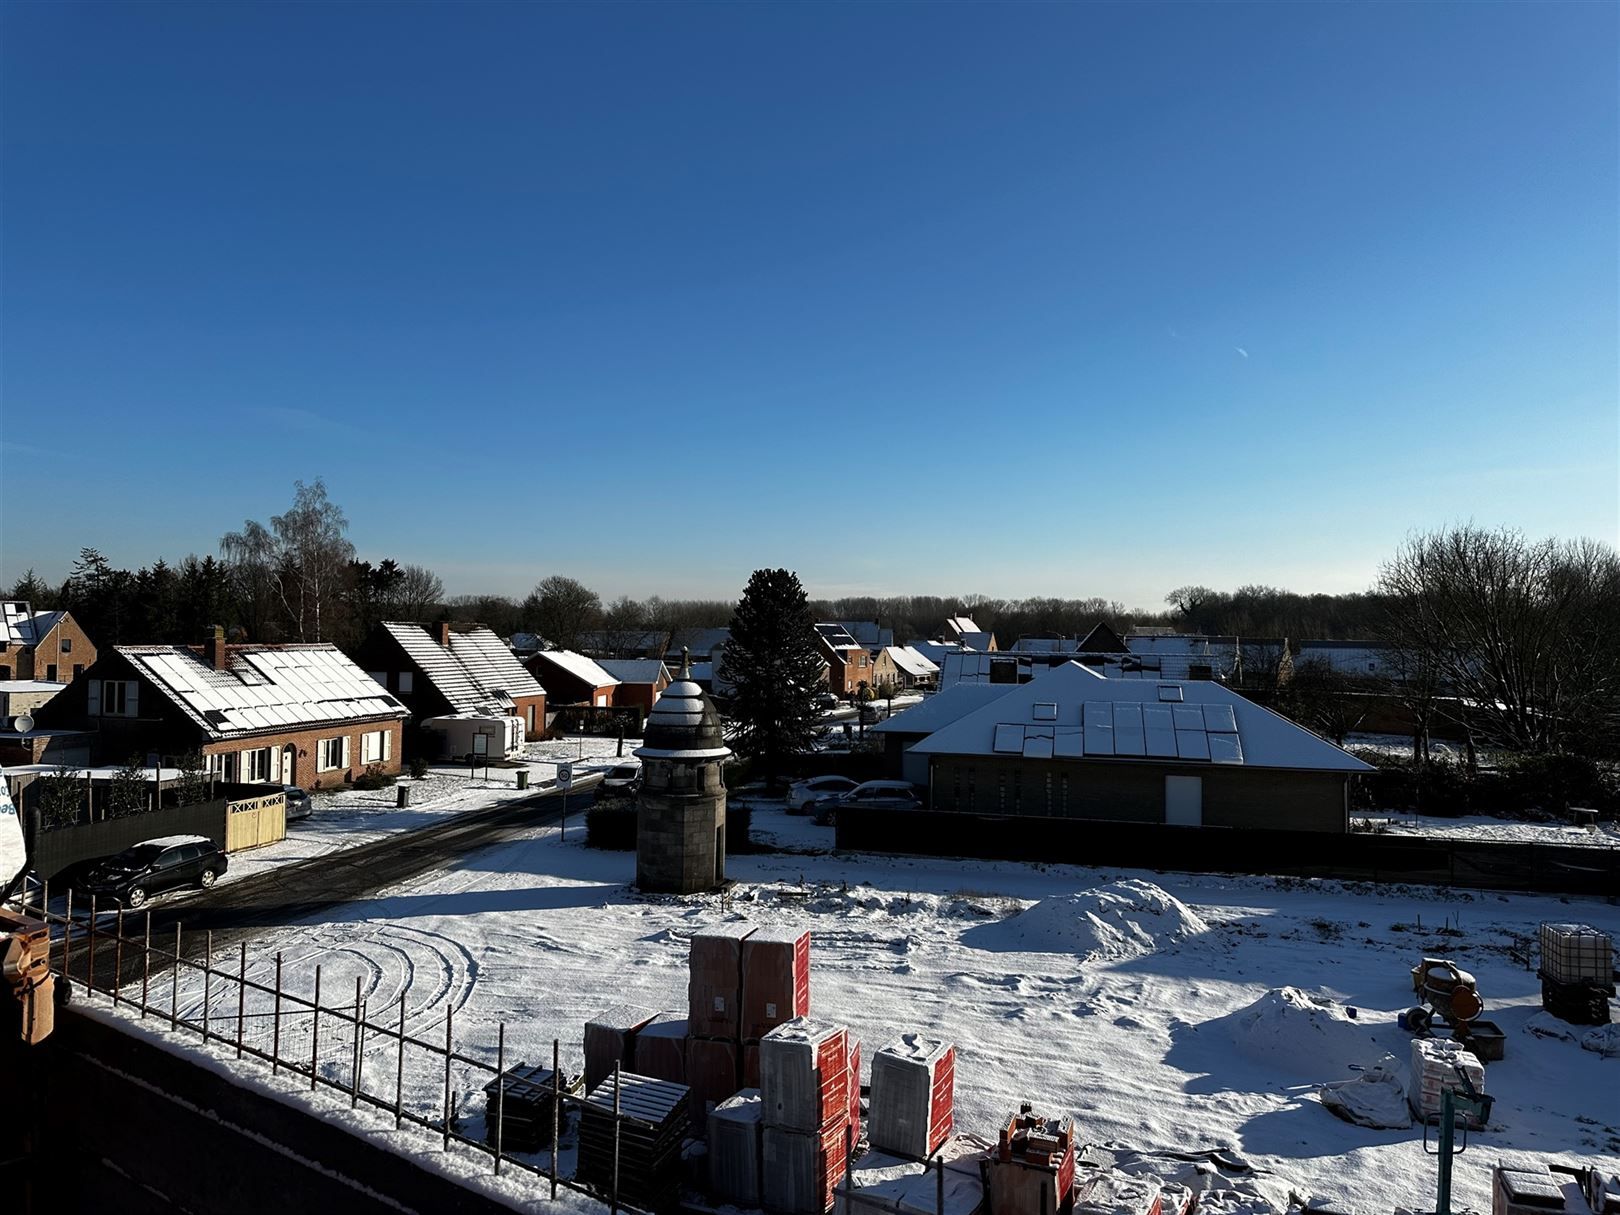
<point x="443" y="628"/>
<point x="217" y="651"/>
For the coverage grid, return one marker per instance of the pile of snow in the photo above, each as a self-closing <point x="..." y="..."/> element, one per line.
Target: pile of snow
<point x="1603" y="1040"/>
<point x="1307" y="1035"/>
<point x="1123" y="919"/>
<point x="1219" y="1182"/>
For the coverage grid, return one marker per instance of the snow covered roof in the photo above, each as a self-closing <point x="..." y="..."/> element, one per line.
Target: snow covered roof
<point x="16" y="623"/>
<point x="961" y="624"/>
<point x="910" y="661"/>
<point x="979" y="666"/>
<point x="635" y="670"/>
<point x="265" y="689"/>
<point x="477" y="671"/>
<point x="942" y="708"/>
<point x="1072" y="714"/>
<point x="587" y="670"/>
<point x="683" y="725"/>
<point x="935" y="651"/>
<point x="20" y="686"/>
<point x="527" y="643"/>
<point x="837" y="637"/>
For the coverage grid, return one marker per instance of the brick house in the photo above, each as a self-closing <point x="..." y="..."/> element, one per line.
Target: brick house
<point x="849" y="664"/>
<point x="572" y="679"/>
<point x="47" y="646"/>
<point x="641" y="681"/>
<point x="289" y="714"/>
<point x="964" y="632"/>
<point x="900" y="666"/>
<point x="441" y="669"/>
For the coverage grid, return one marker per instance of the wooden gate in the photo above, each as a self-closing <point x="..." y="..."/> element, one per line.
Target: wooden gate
<point x="255" y="821"/>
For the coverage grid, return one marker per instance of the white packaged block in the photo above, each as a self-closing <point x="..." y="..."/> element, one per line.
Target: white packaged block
<point x="735" y="1144"/>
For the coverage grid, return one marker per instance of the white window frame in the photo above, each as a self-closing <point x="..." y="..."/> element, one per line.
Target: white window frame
<point x="372" y="746"/>
<point x="324" y="754"/>
<point x="256" y="765"/>
<point x="128" y="698"/>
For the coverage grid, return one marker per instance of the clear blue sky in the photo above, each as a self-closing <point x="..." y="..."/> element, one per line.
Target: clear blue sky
<point x="1057" y="299"/>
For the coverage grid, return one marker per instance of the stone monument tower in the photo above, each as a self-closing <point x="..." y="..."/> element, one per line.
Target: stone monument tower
<point x="681" y="809"/>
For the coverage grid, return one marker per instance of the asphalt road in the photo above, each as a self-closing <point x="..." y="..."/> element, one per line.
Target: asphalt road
<point x="238" y="911"/>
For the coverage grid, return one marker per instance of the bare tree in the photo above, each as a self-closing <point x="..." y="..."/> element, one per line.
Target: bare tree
<point x="302" y="558"/>
<point x="1525" y="633"/>
<point x="560" y="609"/>
<point x="623" y="623"/>
<point x="418" y="594"/>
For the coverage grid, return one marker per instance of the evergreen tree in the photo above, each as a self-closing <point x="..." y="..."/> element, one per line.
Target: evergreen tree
<point x="192" y="787"/>
<point x="127" y="793"/>
<point x="774" y="666"/>
<point x="61" y="797"/>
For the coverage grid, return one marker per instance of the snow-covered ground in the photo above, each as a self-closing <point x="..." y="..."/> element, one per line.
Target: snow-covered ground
<point x="1148" y="1015"/>
<point x="1500" y="830"/>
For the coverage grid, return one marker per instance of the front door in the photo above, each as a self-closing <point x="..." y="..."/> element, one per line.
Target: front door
<point x="1184" y="801"/>
<point x="289" y="765"/>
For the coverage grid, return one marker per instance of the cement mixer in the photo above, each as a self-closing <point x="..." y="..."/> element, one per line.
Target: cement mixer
<point x="1446" y="988"/>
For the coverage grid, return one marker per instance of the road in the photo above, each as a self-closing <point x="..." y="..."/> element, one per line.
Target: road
<point x="238" y="911"/>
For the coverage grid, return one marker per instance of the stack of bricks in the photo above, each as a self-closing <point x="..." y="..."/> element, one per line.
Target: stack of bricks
<point x="805" y="1091"/>
<point x="775" y="988"/>
<point x="714" y="1015"/>
<point x="1435" y="1064"/>
<point x="1030" y="1171"/>
<point x="913" y="1091"/>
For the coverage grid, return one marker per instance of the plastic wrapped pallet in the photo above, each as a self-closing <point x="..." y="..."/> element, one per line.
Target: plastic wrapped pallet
<point x="661" y="1048"/>
<point x="800" y="1171"/>
<point x="1110" y="1192"/>
<point x="1603" y="1191"/>
<point x="735" y="1143"/>
<point x="1434" y="1064"/>
<point x="610" y="1038"/>
<point x="913" y="1089"/>
<point x="714" y="981"/>
<point x="775" y="979"/>
<point x="875" y="1185"/>
<point x="854" y="1051"/>
<point x="1576" y="953"/>
<point x="804" y="1075"/>
<point x="962" y="1193"/>
<point x="881" y="1182"/>
<point x="712" y="1069"/>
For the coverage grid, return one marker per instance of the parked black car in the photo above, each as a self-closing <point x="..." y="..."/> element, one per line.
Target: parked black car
<point x="154" y="866"/>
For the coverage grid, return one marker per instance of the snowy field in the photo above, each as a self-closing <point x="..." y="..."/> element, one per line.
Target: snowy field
<point x="1499" y="830"/>
<point x="1151" y="1013"/>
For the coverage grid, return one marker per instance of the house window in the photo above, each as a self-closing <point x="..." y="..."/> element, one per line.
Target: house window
<point x="118" y="698"/>
<point x="371" y="747"/>
<point x="67" y="645"/>
<point x="258" y="764"/>
<point x="407" y="681"/>
<point x="329" y="754"/>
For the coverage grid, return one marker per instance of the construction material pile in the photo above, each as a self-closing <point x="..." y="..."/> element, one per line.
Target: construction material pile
<point x="913" y="1095"/>
<point x="1122" y="919"/>
<point x="805" y="1092"/>
<point x="1560" y="1190"/>
<point x="1030" y="1171"/>
<point x="736" y="1128"/>
<point x="1435" y="1064"/>
<point x="1577" y="972"/>
<point x="882" y="1183"/>
<point x="520" y="1104"/>
<point x="641" y="1164"/>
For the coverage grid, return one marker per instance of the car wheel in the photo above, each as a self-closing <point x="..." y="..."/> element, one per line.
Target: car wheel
<point x="207" y="879"/>
<point x="136" y="898"/>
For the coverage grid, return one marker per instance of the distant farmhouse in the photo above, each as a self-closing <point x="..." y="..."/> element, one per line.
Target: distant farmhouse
<point x="572" y="679"/>
<point x="848" y="663"/>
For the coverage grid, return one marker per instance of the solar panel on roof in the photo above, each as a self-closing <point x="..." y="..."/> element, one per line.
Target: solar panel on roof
<point x="1188" y="717"/>
<point x="1069" y="743"/>
<point x="1036" y="747"/>
<point x="1099" y="724"/>
<point x="1169" y="691"/>
<point x="1225" y="749"/>
<point x="1220" y="718"/>
<point x="1159" y="731"/>
<point x="1009" y="739"/>
<point x="1192" y="744"/>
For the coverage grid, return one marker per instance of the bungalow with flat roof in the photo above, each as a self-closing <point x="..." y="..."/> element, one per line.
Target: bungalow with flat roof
<point x="279" y="714"/>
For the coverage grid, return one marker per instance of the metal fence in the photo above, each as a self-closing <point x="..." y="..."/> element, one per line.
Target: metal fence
<point x="328" y="1040"/>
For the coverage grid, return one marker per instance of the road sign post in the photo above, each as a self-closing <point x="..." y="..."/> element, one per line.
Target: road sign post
<point x="565" y="781"/>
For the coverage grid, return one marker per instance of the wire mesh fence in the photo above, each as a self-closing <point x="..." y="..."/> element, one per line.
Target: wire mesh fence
<point x="319" y="1032"/>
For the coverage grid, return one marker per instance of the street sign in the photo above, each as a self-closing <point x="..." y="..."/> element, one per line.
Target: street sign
<point x="565" y="775"/>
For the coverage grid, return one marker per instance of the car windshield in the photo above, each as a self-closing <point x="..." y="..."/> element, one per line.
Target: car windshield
<point x="138" y="857"/>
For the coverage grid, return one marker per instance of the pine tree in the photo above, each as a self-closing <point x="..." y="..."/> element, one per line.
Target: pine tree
<point x="127" y="792"/>
<point x="61" y="798"/>
<point x="775" y="669"/>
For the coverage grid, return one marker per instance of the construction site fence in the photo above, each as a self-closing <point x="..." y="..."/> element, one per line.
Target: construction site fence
<point x="332" y="1041"/>
<point x="1350" y="856"/>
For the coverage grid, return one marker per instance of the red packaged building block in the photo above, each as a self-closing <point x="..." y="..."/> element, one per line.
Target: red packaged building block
<point x="776" y="979"/>
<point x="854" y="1092"/>
<point x="714" y="982"/>
<point x="713" y="1067"/>
<point x="800" y="1171"/>
<point x="913" y="1096"/>
<point x="610" y="1038"/>
<point x="661" y="1049"/>
<point x="1031" y="1168"/>
<point x="804" y="1075"/>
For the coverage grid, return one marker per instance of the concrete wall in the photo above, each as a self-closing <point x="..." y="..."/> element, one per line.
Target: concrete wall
<point x="132" y="1128"/>
<point x="680" y="827"/>
<point x="1134" y="792"/>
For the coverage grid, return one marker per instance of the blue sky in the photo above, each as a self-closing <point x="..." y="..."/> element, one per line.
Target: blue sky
<point x="1016" y="299"/>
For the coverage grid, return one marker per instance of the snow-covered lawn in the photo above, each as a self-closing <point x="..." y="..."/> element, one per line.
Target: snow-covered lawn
<point x="1499" y="830"/>
<point x="1146" y="1015"/>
